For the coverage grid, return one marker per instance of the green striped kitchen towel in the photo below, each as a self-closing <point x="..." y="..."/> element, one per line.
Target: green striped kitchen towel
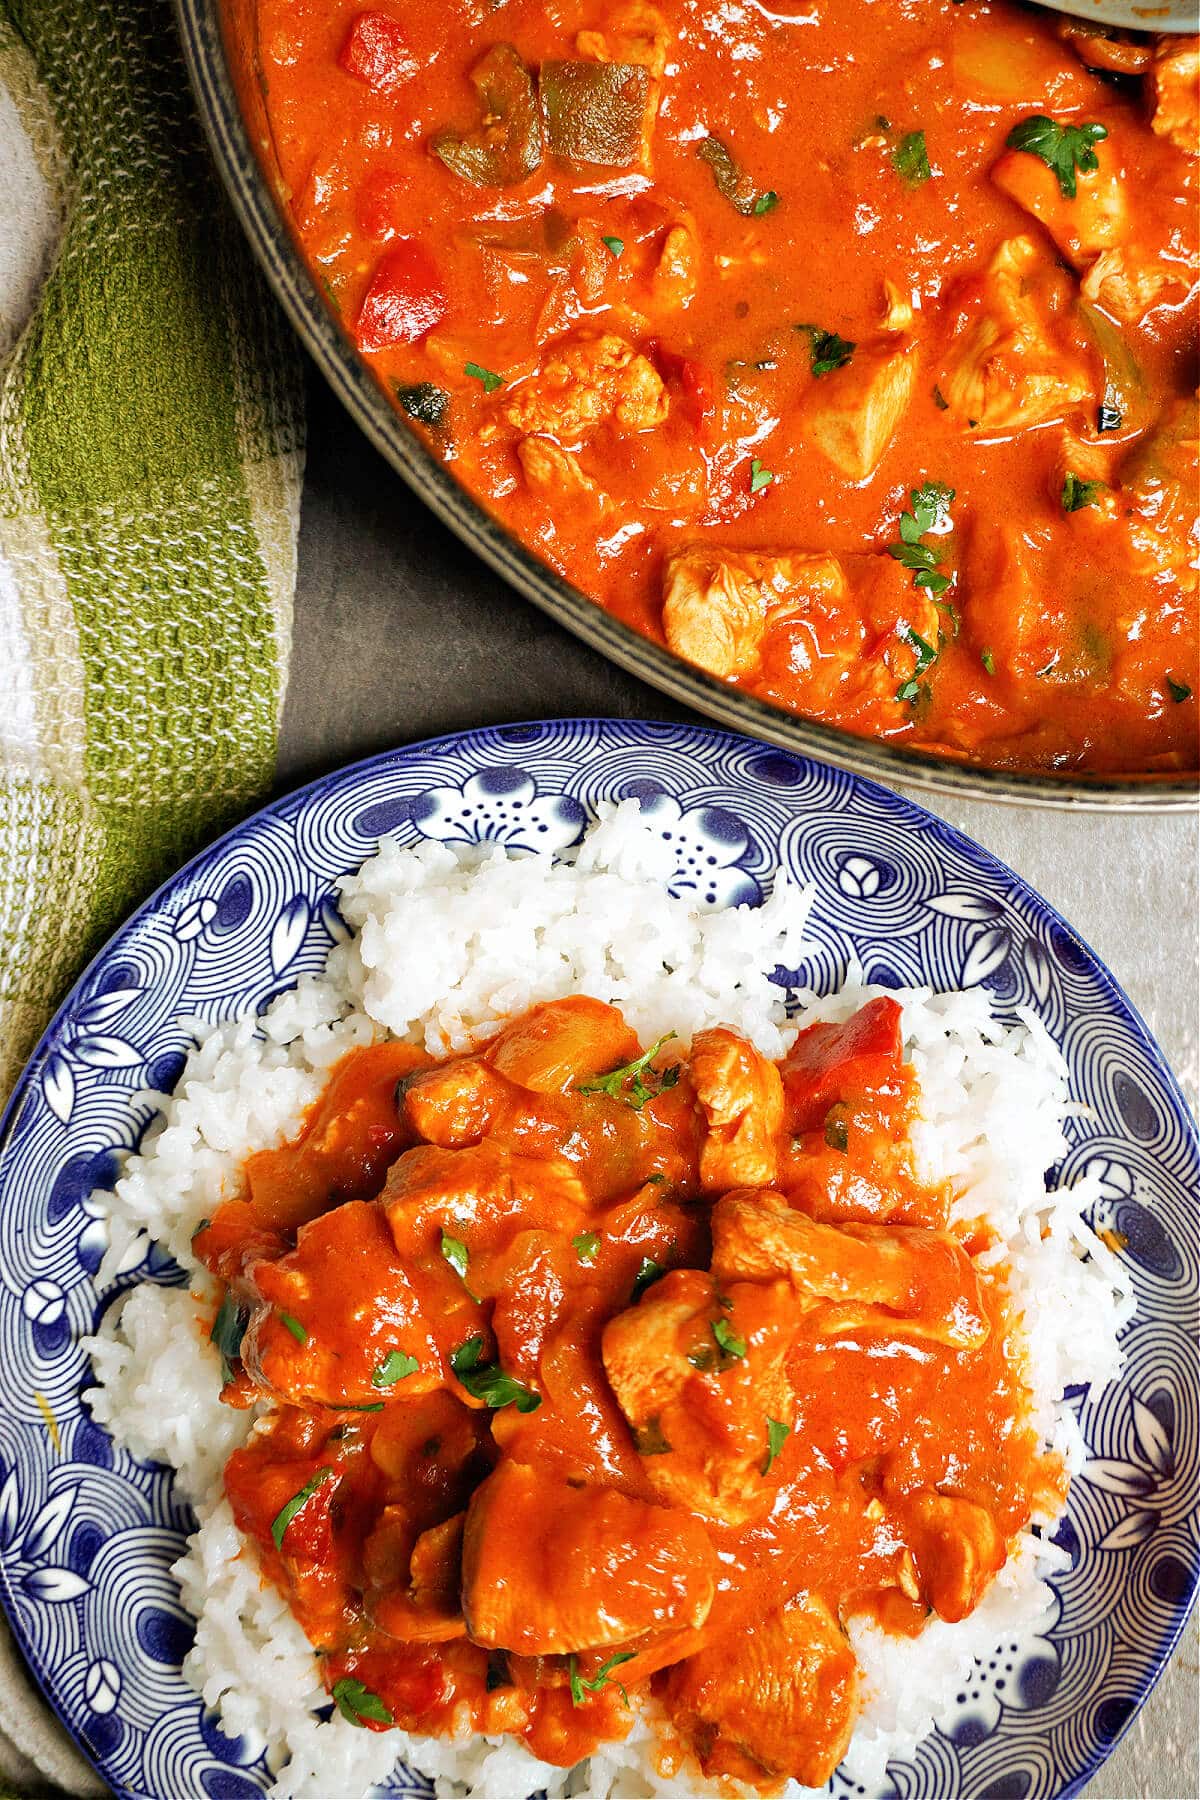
<point x="150" y="462"/>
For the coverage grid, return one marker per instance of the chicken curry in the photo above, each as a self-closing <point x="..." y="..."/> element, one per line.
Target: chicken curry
<point x="849" y="349"/>
<point x="596" y="1378"/>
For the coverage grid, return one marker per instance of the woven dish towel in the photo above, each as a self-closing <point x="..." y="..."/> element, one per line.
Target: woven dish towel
<point x="150" y="459"/>
<point x="150" y="463"/>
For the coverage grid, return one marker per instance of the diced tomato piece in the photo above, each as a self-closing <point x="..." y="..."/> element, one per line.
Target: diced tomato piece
<point x="259" y="1489"/>
<point x="412" y="1680"/>
<point x="828" y="1063"/>
<point x="695" y="382"/>
<point x="376" y="51"/>
<point x="405" y="299"/>
<point x="235" y="1234"/>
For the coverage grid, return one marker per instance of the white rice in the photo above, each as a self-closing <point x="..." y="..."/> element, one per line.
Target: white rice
<point x="446" y="945"/>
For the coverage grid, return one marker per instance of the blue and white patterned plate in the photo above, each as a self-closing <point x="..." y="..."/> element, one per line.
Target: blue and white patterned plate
<point x="87" y="1534"/>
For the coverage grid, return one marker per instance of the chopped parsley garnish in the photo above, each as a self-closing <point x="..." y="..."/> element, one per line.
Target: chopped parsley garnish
<point x="766" y="203"/>
<point x="286" y="1514"/>
<point x="759" y="477"/>
<point x="1178" y="690"/>
<point x="1077" y="494"/>
<point x="427" y="404"/>
<point x="615" y="244"/>
<point x="988" y="661"/>
<point x="396" y="1366"/>
<point x="456" y="1254"/>
<point x="356" y="1703"/>
<point x="491" y="381"/>
<point x="727" y="1338"/>
<point x="295" y="1327"/>
<point x="827" y="350"/>
<point x="583" y="1685"/>
<point x="910" y="159"/>
<point x="650" y="1440"/>
<point x="777" y="1437"/>
<point x="228" y="1330"/>
<point x="489" y="1383"/>
<point x="647" y="1275"/>
<point x="930" y="509"/>
<point x="1065" y="149"/>
<point x="585" y="1246"/>
<point x="639" y="1091"/>
<point x="926" y="655"/>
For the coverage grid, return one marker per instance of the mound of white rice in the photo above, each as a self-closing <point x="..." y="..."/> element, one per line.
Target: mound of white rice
<point x="446" y="945"/>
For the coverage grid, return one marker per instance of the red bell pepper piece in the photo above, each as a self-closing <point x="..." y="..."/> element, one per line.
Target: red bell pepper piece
<point x="405" y="299"/>
<point x="828" y="1063"/>
<point x="376" y="51"/>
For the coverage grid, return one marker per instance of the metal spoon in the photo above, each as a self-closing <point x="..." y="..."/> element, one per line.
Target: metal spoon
<point x="1167" y="15"/>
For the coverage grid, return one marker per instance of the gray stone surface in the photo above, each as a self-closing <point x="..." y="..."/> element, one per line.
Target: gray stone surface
<point x="401" y="634"/>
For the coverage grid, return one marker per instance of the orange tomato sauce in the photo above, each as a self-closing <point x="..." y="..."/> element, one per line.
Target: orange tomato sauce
<point x="586" y="1369"/>
<point x="861" y="189"/>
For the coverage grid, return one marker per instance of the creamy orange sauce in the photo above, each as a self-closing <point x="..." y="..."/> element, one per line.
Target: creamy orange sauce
<point x="589" y="1382"/>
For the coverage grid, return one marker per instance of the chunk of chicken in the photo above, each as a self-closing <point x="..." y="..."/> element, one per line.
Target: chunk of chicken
<point x="1174" y="82"/>
<point x="697" y="1374"/>
<point x="914" y="1282"/>
<point x="741" y="1096"/>
<point x="716" y="602"/>
<point x="957" y="1547"/>
<point x="1004" y="371"/>
<point x="1130" y="279"/>
<point x="313" y="1341"/>
<point x="852" y="414"/>
<point x="454" y="1103"/>
<point x="454" y="1215"/>
<point x="483" y="1191"/>
<point x="780" y="1700"/>
<point x="1094" y="220"/>
<point x="585" y="381"/>
<point x="549" y="1568"/>
<point x="549" y="469"/>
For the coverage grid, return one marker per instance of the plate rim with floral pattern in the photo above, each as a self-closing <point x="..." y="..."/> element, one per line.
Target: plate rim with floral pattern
<point x="87" y="1534"/>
